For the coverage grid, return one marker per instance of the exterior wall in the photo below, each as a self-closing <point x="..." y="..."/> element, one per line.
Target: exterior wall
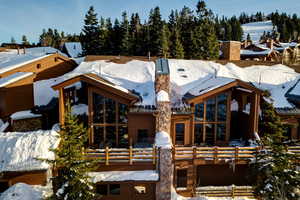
<point x="127" y="191"/>
<point x="16" y="97"/>
<point x="231" y="50"/>
<point x="138" y="121"/>
<point x="31" y="178"/>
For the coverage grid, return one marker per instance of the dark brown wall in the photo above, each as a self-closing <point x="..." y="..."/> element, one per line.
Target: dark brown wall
<point x="31" y="178"/>
<point x="138" y="121"/>
<point x="221" y="175"/>
<point x="128" y="192"/>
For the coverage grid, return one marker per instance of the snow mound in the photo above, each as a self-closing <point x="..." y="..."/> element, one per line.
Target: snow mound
<point x="163" y="140"/>
<point x="146" y="175"/>
<point x="19" y="151"/>
<point x="21" y="191"/>
<point x="26" y="114"/>
<point x="257" y="29"/>
<point x="162" y="96"/>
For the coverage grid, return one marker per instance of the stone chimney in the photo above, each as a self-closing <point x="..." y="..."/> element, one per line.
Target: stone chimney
<point x="270" y="43"/>
<point x="162" y="90"/>
<point x="163" y="128"/>
<point x="231" y="50"/>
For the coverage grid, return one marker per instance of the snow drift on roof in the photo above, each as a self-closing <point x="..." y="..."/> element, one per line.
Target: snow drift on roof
<point x="11" y="60"/>
<point x="74" y="49"/>
<point x="146" y="175"/>
<point x="21" y="191"/>
<point x="26" y="114"/>
<point x="256" y="29"/>
<point x="136" y="76"/>
<point x="14" y="78"/>
<point x="162" y="96"/>
<point x="19" y="151"/>
<point x="163" y="140"/>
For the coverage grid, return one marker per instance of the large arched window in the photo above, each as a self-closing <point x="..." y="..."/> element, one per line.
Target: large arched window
<point x="109" y="122"/>
<point x="210" y="120"/>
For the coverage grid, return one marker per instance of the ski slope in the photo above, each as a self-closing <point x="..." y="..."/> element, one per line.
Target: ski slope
<point x="256" y="29"/>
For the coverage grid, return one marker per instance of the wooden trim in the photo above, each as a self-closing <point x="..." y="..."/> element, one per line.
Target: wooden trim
<point x="222" y="89"/>
<point x="61" y="106"/>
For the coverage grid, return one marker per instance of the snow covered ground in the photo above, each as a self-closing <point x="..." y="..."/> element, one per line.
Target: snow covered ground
<point x="256" y="29"/>
<point x="19" y="151"/>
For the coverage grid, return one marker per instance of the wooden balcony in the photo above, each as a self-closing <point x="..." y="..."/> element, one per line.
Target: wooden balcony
<point x="220" y="155"/>
<point x="130" y="156"/>
<point x="226" y="191"/>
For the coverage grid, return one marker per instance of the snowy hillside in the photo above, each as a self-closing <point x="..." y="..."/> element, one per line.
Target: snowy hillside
<point x="256" y="29"/>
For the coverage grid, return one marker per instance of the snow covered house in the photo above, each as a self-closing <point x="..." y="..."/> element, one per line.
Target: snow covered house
<point x="209" y="112"/>
<point x="20" y="68"/>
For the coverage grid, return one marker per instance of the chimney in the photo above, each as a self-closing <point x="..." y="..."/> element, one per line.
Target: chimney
<point x="270" y="43"/>
<point x="231" y="50"/>
<point x="162" y="90"/>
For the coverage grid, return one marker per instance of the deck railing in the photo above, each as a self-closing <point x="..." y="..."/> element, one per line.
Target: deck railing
<point x="130" y="155"/>
<point x="221" y="153"/>
<point x="226" y="191"/>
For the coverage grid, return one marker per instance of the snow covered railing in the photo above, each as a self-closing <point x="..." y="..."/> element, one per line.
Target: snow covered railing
<point x="130" y="155"/>
<point x="221" y="153"/>
<point x="226" y="191"/>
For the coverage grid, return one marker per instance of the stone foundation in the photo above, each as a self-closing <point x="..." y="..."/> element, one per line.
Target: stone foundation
<point x="24" y="125"/>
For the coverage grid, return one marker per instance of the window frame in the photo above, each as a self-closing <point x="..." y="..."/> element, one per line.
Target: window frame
<point x="117" y="125"/>
<point x="215" y="122"/>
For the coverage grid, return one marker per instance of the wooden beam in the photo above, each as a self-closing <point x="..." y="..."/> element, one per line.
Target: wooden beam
<point x="61" y="107"/>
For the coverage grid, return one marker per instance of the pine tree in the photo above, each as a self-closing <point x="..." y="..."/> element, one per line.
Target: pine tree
<point x="177" y="50"/>
<point x="125" y="40"/>
<point x="165" y="42"/>
<point x="248" y="37"/>
<point x="275" y="169"/>
<point x="72" y="180"/>
<point x="155" y="31"/>
<point x="90" y="37"/>
<point x="24" y="40"/>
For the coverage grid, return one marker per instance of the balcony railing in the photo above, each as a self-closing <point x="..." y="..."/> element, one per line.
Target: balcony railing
<point x="130" y="155"/>
<point x="226" y="191"/>
<point x="221" y="153"/>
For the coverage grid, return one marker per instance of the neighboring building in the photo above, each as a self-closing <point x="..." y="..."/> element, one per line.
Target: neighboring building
<point x="72" y="49"/>
<point x="19" y="69"/>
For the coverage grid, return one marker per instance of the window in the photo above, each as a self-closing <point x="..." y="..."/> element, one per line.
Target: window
<point x="142" y="136"/>
<point x="179" y="131"/>
<point x="3" y="186"/>
<point x="108" y="189"/>
<point x="181" y="178"/>
<point x="114" y="189"/>
<point x="210" y="120"/>
<point x="109" y="122"/>
<point x="102" y="189"/>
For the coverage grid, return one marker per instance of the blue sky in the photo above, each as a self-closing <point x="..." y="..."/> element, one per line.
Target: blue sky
<point x="18" y="18"/>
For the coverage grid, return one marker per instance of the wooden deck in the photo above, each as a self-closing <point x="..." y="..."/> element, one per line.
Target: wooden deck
<point x="198" y="155"/>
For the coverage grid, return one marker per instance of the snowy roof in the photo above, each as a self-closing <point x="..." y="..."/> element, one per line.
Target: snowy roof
<point x="74" y="49"/>
<point x="186" y="76"/>
<point x="255" y="53"/>
<point x="257" y="29"/>
<point x="10" y="60"/>
<point x="14" y="78"/>
<point x="26" y="114"/>
<point x="19" y="151"/>
<point x="136" y="76"/>
<point x="146" y="175"/>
